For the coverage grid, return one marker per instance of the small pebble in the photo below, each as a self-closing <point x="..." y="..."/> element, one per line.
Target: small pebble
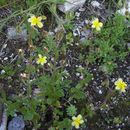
<point x="2" y="71"/>
<point x="77" y="44"/>
<point x="81" y="9"/>
<point x="81" y="77"/>
<point x="77" y="14"/>
<point x="76" y="32"/>
<point x="100" y="91"/>
<point x="77" y="74"/>
<point x="6" y="58"/>
<point x="14" y="33"/>
<point x="95" y="3"/>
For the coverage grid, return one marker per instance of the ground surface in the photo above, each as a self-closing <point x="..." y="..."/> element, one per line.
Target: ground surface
<point x="98" y="90"/>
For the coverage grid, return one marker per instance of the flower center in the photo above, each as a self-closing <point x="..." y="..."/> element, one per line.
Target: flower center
<point x="96" y="24"/>
<point x="77" y="121"/>
<point x="42" y="59"/>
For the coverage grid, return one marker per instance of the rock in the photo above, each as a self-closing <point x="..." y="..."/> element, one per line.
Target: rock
<point x="128" y="44"/>
<point x="13" y="33"/>
<point x="36" y="91"/>
<point x="71" y="5"/>
<point x="125" y="10"/>
<point x="3" y="117"/>
<point x="2" y="72"/>
<point x="95" y="4"/>
<point x="85" y="35"/>
<point x="128" y="2"/>
<point x="76" y="32"/>
<point x="100" y="91"/>
<point x="17" y="123"/>
<point x="81" y="31"/>
<point x="122" y="11"/>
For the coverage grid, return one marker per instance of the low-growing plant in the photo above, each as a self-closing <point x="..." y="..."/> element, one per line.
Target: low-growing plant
<point x="46" y="94"/>
<point x="108" y="45"/>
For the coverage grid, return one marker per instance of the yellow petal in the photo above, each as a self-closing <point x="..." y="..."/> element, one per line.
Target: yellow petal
<point x="45" y="61"/>
<point x="73" y="124"/>
<point x="37" y="62"/>
<point x="42" y="63"/>
<point x="73" y="118"/>
<point x="77" y="126"/>
<point x="93" y="26"/>
<point x="39" y="55"/>
<point x="100" y="24"/>
<point x="98" y="28"/>
<point x="118" y="81"/>
<point x="117" y="88"/>
<point x="39" y="24"/>
<point x="82" y="121"/>
<point x="79" y="117"/>
<point x="29" y="20"/>
<point x="95" y="21"/>
<point x="125" y="84"/>
<point x="45" y="57"/>
<point x="123" y="90"/>
<point x="33" y="24"/>
<point x="39" y="18"/>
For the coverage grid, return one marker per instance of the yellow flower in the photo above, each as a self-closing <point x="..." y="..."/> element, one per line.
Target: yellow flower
<point x="36" y="21"/>
<point x="96" y="24"/>
<point x="41" y="60"/>
<point x="77" y="121"/>
<point x="120" y="85"/>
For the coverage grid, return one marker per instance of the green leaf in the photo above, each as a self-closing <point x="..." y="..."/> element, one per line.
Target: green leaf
<point x="71" y="110"/>
<point x="66" y="123"/>
<point x="28" y="115"/>
<point x="77" y="93"/>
